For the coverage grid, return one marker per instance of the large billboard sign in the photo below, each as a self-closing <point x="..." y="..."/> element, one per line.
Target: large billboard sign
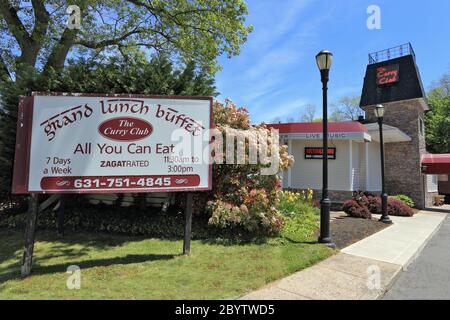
<point x="74" y="143"/>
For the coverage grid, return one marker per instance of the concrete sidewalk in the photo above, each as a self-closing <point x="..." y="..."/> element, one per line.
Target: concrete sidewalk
<point x="349" y="274"/>
<point x="429" y="276"/>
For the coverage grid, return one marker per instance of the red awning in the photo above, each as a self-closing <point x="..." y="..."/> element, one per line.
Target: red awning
<point x="436" y="163"/>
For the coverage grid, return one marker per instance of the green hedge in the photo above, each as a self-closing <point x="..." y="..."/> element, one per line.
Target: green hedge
<point x="130" y="221"/>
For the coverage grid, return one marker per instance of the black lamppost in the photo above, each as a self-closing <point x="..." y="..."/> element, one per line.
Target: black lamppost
<point x="379" y="113"/>
<point x="324" y="60"/>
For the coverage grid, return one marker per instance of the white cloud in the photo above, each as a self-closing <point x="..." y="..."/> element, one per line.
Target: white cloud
<point x="284" y="33"/>
<point x="284" y="110"/>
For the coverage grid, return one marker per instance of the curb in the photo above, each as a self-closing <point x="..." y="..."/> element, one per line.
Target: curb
<point x="423" y="245"/>
<point x="390" y="284"/>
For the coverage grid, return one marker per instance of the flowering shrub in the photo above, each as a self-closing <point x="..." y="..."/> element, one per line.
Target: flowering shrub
<point x="241" y="196"/>
<point x="301" y="218"/>
<point x="255" y="214"/>
<point x="292" y="202"/>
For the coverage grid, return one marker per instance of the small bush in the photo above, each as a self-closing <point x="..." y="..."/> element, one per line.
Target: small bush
<point x="395" y="207"/>
<point x="374" y="204"/>
<point x="290" y="203"/>
<point x="399" y="208"/>
<point x="363" y="202"/>
<point x="129" y="221"/>
<point x="407" y="200"/>
<point x="255" y="214"/>
<point x="356" y="210"/>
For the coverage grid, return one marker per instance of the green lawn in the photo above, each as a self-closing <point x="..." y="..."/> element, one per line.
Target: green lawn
<point x="119" y="267"/>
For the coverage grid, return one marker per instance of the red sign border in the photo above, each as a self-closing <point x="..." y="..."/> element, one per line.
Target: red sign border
<point x="21" y="170"/>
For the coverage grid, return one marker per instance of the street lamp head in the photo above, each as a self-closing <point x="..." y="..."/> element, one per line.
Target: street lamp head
<point x="379" y="111"/>
<point x="324" y="60"/>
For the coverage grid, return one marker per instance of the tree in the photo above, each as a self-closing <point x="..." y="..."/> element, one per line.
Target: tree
<point x="290" y="120"/>
<point x="336" y="116"/>
<point x="347" y="108"/>
<point x="277" y="120"/>
<point x="132" y="75"/>
<point x="438" y="118"/>
<point x="42" y="34"/>
<point x="308" y="114"/>
<point x="441" y="88"/>
<point x="242" y="198"/>
<point x="37" y="37"/>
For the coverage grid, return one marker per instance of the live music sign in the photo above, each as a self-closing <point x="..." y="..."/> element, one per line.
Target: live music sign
<point x="104" y="143"/>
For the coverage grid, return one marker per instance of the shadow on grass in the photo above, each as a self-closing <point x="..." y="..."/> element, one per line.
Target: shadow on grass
<point x="86" y="264"/>
<point x="301" y="242"/>
<point x="13" y="241"/>
<point x="234" y="242"/>
<point x="11" y="248"/>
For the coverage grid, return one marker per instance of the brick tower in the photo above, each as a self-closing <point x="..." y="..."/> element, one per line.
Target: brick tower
<point x="392" y="79"/>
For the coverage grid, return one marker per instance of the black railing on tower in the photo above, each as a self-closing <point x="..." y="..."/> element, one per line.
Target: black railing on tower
<point x="391" y="53"/>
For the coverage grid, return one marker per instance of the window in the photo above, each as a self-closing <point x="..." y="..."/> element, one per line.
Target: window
<point x="421" y="126"/>
<point x="432" y="183"/>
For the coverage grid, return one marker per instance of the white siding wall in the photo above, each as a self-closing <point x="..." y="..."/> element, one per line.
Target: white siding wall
<point x="356" y="166"/>
<point x="362" y="165"/>
<point x="374" y="167"/>
<point x="308" y="173"/>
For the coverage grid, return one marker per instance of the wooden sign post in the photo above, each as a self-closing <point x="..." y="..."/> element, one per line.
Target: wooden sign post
<point x="187" y="223"/>
<point x="27" y="260"/>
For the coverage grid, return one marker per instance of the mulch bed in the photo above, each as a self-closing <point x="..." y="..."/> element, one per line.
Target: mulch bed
<point x="347" y="230"/>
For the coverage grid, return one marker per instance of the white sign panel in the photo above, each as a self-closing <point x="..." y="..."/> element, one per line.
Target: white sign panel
<point x="119" y="144"/>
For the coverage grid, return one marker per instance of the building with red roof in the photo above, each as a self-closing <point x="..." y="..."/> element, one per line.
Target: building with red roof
<point x="354" y="158"/>
<point x="354" y="153"/>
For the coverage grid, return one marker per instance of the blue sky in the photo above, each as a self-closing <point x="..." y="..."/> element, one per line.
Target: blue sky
<point x="275" y="75"/>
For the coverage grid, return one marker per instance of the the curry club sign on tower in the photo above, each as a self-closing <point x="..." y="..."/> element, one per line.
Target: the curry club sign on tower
<point x="75" y="143"/>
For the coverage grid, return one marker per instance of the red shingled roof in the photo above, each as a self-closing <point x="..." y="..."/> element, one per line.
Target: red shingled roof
<point x="316" y="127"/>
